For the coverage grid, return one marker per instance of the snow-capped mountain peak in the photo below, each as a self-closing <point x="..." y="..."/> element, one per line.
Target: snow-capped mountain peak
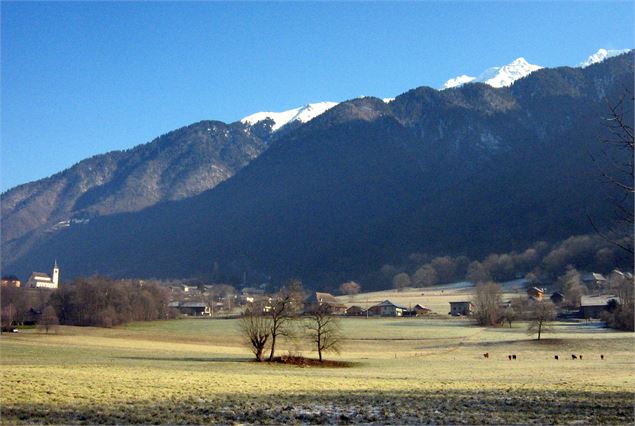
<point x="601" y="55"/>
<point x="496" y="76"/>
<point x="302" y="114"/>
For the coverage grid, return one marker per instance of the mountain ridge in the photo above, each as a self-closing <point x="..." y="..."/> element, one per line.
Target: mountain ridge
<point x="368" y="180"/>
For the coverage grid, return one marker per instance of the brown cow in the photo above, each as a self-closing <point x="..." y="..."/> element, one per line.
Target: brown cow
<point x="573" y="356"/>
<point x="486" y="355"/>
<point x="510" y="357"/>
<point x="556" y="357"/>
<point x="513" y="356"/>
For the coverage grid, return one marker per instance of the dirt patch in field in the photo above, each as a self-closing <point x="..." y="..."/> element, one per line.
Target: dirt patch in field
<point x="301" y="361"/>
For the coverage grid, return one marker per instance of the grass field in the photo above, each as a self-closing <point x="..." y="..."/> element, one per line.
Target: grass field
<point x="407" y="370"/>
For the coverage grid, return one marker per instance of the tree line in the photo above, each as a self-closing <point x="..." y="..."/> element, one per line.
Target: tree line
<point x="104" y="302"/>
<point x="540" y="263"/>
<point x="94" y="301"/>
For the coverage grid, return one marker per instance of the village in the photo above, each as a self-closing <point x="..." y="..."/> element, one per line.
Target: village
<point x="452" y="299"/>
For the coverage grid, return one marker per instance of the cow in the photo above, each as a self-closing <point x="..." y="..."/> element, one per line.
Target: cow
<point x="601" y="356"/>
<point x="556" y="357"/>
<point x="510" y="357"/>
<point x="580" y="356"/>
<point x="486" y="355"/>
<point x="513" y="356"/>
<point x="573" y="356"/>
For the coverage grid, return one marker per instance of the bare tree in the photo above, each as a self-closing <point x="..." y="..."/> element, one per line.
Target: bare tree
<point x="487" y="303"/>
<point x="256" y="329"/>
<point x="324" y="330"/>
<point x="571" y="284"/>
<point x="8" y="315"/>
<point x="445" y="268"/>
<point x="425" y="276"/>
<point x="622" y="317"/>
<point x="285" y="307"/>
<point x="48" y="320"/>
<point x="540" y="315"/>
<point x="620" y="146"/>
<point x="508" y="315"/>
<point x="400" y="281"/>
<point x="350" y="288"/>
<point x="477" y="272"/>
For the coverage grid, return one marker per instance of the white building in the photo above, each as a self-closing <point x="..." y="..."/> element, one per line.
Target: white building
<point x="42" y="280"/>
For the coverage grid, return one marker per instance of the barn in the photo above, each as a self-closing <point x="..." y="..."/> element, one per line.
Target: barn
<point x="388" y="309"/>
<point x="461" y="308"/>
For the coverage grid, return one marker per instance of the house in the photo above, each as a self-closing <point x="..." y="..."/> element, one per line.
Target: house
<point x="388" y="309"/>
<point x="355" y="311"/>
<point x="505" y="305"/>
<point x="595" y="306"/>
<point x="617" y="278"/>
<point x="252" y="291"/>
<point x="11" y="281"/>
<point x="194" y="309"/>
<point x="594" y="281"/>
<point x="43" y="280"/>
<point x="536" y="293"/>
<point x="325" y="299"/>
<point x="461" y="308"/>
<point x="419" y="310"/>
<point x="557" y="297"/>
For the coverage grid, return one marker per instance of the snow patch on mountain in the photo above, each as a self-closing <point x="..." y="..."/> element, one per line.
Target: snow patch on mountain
<point x="301" y="114"/>
<point x="601" y="55"/>
<point x="496" y="76"/>
<point x="458" y="81"/>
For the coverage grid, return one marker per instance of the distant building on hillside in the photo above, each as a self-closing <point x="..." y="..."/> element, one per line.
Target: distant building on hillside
<point x="319" y="299"/>
<point x="194" y="309"/>
<point x="595" y="306"/>
<point x="536" y="293"/>
<point x="388" y="309"/>
<point x="11" y="281"/>
<point x="420" y="310"/>
<point x="43" y="280"/>
<point x="557" y="297"/>
<point x="252" y="291"/>
<point x="355" y="311"/>
<point x="594" y="280"/>
<point x="464" y="308"/>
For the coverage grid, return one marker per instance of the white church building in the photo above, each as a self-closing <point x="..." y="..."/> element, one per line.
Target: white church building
<point x="42" y="280"/>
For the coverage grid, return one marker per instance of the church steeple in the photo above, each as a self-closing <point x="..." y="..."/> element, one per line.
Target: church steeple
<point x="56" y="275"/>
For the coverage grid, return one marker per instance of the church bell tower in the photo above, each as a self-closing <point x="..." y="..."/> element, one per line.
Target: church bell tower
<point x="56" y="275"/>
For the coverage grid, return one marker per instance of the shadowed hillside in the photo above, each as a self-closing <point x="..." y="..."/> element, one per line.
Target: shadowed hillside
<point x="468" y="171"/>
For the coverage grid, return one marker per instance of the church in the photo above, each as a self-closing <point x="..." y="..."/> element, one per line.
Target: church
<point x="42" y="280"/>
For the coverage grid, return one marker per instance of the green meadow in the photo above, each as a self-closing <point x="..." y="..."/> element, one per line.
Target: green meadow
<point x="408" y="370"/>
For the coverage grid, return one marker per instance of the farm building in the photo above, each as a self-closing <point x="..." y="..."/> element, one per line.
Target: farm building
<point x="194" y="309"/>
<point x="388" y="309"/>
<point x="557" y="297"/>
<point x="325" y="299"/>
<point x="252" y="291"/>
<point x="595" y="306"/>
<point x="419" y="310"/>
<point x="355" y="310"/>
<point x="461" y="308"/>
<point x="536" y="293"/>
<point x="594" y="281"/>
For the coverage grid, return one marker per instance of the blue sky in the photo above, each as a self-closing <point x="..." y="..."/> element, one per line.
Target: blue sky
<point x="83" y="78"/>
